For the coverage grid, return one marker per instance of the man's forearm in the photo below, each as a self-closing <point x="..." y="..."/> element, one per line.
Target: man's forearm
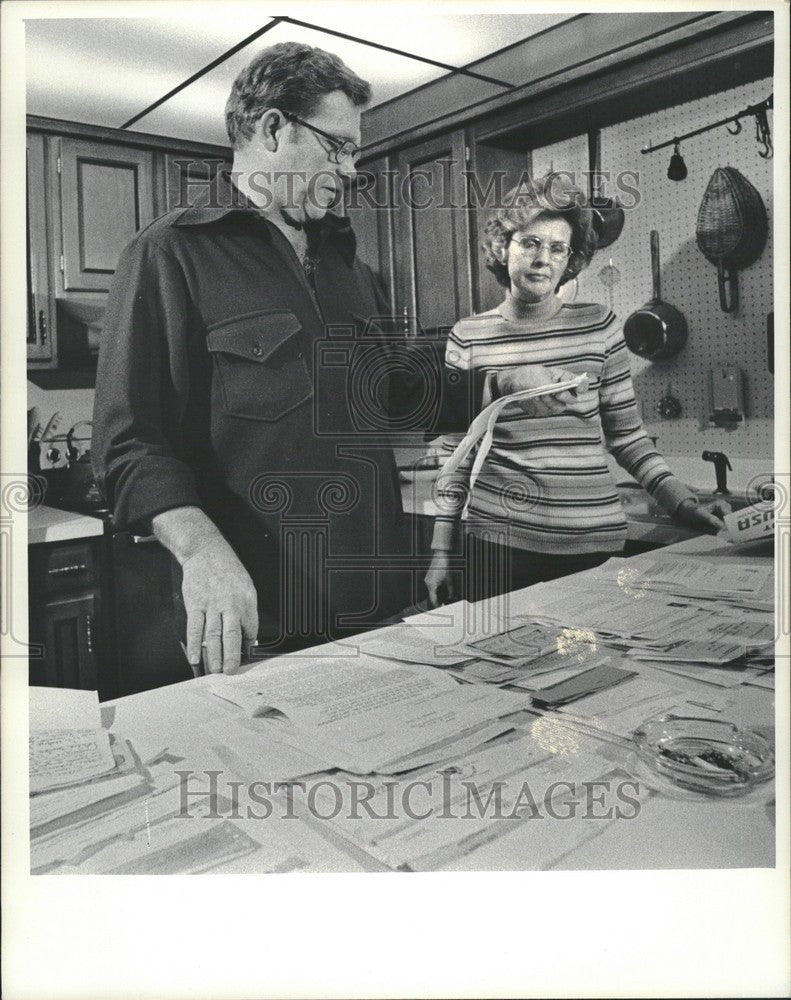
<point x="184" y="531"/>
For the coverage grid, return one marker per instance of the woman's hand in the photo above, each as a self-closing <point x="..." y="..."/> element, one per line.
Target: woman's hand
<point x="439" y="580"/>
<point x="706" y="518"/>
<point x="521" y="377"/>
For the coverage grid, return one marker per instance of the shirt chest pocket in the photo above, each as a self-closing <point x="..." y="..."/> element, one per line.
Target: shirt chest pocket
<point x="259" y="365"/>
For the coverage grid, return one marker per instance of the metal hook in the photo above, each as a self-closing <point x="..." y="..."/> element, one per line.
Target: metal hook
<point x="737" y="130"/>
<point x="763" y="134"/>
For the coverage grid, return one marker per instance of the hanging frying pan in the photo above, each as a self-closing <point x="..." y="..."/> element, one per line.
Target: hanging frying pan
<point x="658" y="330"/>
<point x="608" y="216"/>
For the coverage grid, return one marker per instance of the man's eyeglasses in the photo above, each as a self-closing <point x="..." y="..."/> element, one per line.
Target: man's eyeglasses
<point x="530" y="245"/>
<point x="340" y="149"/>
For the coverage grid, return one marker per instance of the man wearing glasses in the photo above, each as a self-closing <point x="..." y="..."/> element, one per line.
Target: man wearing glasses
<point x="215" y="428"/>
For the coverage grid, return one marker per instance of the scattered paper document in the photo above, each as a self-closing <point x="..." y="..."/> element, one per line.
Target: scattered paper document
<point x="64" y="757"/>
<point x="583" y="684"/>
<point x="697" y="576"/>
<point x="364" y="713"/>
<point x="407" y="644"/>
<point x="67" y="742"/>
<point x="694" y="651"/>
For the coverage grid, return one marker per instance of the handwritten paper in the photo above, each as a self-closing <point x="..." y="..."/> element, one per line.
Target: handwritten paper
<point x="67" y="742"/>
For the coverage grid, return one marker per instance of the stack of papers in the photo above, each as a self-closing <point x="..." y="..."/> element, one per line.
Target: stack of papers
<point x="733" y="583"/>
<point x="623" y="613"/>
<point x="67" y="742"/>
<point x="366" y="715"/>
<point x="453" y="810"/>
<point x="677" y="614"/>
<point x="94" y="807"/>
<point x="78" y="771"/>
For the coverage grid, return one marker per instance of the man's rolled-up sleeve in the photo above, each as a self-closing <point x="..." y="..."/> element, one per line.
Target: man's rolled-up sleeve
<point x="142" y="388"/>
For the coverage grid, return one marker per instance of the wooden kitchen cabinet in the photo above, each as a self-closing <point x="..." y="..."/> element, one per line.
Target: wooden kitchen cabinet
<point x="106" y="196"/>
<point x="433" y="277"/>
<point x="370" y="210"/>
<point x="496" y="170"/>
<point x="67" y="617"/>
<point x="90" y="190"/>
<point x="70" y="642"/>
<point x="108" y="614"/>
<point x="40" y="302"/>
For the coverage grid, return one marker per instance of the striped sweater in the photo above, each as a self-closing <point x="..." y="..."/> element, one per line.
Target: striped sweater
<point x="545" y="481"/>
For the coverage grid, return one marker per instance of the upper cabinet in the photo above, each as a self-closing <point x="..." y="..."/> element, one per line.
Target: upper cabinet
<point x="106" y="196"/>
<point x="40" y="304"/>
<point x="432" y="232"/>
<point x="89" y="191"/>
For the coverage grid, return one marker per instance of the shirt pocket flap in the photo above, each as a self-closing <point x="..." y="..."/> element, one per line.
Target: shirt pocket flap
<point x="256" y="337"/>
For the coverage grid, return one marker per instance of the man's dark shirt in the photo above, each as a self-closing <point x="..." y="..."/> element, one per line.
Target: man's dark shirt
<point x="229" y="382"/>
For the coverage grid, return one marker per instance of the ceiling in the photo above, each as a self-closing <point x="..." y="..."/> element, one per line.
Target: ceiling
<point x="106" y="70"/>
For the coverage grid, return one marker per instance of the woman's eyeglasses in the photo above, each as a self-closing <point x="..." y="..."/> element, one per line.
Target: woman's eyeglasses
<point x="531" y="245"/>
<point x="340" y="149"/>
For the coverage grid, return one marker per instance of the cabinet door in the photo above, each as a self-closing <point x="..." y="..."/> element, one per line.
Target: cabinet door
<point x="370" y="209"/>
<point x="40" y="330"/>
<point x="494" y="172"/>
<point x="189" y="176"/>
<point x="106" y="195"/>
<point x="70" y="653"/>
<point x="433" y="233"/>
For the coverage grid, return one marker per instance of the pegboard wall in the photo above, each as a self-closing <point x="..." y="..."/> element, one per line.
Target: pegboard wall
<point x="688" y="280"/>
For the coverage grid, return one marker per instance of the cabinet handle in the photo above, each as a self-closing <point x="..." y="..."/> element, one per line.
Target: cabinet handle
<point x="42" y="326"/>
<point x="144" y="539"/>
<point x="67" y="569"/>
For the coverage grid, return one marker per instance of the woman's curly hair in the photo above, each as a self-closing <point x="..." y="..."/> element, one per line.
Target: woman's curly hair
<point x="550" y="196"/>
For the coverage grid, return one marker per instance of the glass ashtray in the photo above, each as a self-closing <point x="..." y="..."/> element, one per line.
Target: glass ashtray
<point x="706" y="755"/>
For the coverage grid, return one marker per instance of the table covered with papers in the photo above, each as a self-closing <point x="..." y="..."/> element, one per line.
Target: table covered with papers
<point x="500" y="735"/>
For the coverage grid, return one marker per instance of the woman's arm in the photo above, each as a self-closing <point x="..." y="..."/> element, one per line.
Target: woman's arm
<point x="628" y="442"/>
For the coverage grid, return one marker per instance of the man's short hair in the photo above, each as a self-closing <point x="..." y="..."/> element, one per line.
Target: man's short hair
<point x="291" y="77"/>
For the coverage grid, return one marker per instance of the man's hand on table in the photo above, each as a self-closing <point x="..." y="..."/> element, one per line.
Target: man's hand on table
<point x="707" y="518"/>
<point x="522" y="377"/>
<point x="219" y="595"/>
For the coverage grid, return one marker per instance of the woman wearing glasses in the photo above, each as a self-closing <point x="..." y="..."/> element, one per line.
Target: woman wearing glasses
<point x="545" y="504"/>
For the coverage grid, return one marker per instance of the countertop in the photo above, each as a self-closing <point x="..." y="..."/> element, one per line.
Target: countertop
<point x="646" y="523"/>
<point x="642" y="524"/>
<point x="666" y="832"/>
<point x="46" y="524"/>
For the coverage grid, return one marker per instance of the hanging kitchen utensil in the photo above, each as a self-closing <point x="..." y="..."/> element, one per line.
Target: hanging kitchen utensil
<point x="608" y="216"/>
<point x="658" y="330"/>
<point x="732" y="230"/>
<point x="669" y="406"/>
<point x="609" y="276"/>
<point x="677" y="169"/>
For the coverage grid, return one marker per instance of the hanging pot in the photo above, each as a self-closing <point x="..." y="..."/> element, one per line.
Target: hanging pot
<point x="608" y="216"/>
<point x="658" y="330"/>
<point x="608" y="220"/>
<point x="732" y="230"/>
